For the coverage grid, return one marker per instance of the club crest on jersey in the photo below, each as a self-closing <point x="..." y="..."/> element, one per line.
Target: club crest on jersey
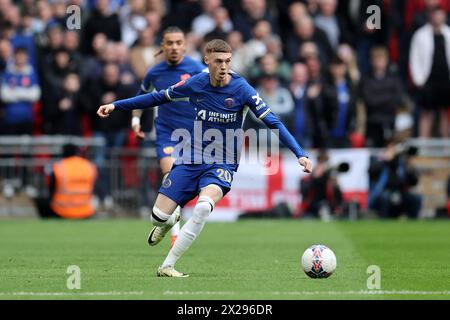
<point x="185" y="76"/>
<point x="229" y="102"/>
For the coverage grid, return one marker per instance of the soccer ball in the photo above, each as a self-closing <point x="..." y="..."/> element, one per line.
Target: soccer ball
<point x="318" y="261"/>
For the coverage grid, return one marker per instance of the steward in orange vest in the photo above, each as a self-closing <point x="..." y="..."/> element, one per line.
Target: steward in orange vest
<point x="73" y="186"/>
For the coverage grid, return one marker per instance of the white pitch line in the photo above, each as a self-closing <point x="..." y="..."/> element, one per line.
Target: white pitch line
<point x="316" y="293"/>
<point x="112" y="293"/>
<point x="363" y="292"/>
<point x="199" y="293"/>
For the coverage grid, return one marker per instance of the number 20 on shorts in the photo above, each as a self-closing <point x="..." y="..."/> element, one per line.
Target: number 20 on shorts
<point x="224" y="175"/>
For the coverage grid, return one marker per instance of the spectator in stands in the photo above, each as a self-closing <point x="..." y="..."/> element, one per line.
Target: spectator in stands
<point x="15" y="31"/>
<point x="44" y="16"/>
<point x="64" y="107"/>
<point x="321" y="193"/>
<point x="157" y="6"/>
<point x="55" y="72"/>
<point x="144" y="54"/>
<point x="132" y="20"/>
<point x="249" y="14"/>
<point x="275" y="47"/>
<point x="279" y="99"/>
<point x="256" y="47"/>
<point x="301" y="123"/>
<point x="93" y="62"/>
<point x="72" y="45"/>
<point x="417" y="12"/>
<point x="313" y="7"/>
<point x="268" y="64"/>
<point x="382" y="94"/>
<point x="338" y="97"/>
<point x="276" y="96"/>
<point x="239" y="63"/>
<point x="347" y="54"/>
<point x="213" y="16"/>
<point x="314" y="98"/>
<point x="308" y="49"/>
<point x="53" y="41"/>
<point x="101" y="21"/>
<point x="391" y="178"/>
<point x="333" y="25"/>
<point x="19" y="90"/>
<point x="100" y="91"/>
<point x="220" y="31"/>
<point x="193" y="44"/>
<point x="367" y="38"/>
<point x="305" y="31"/>
<point x="59" y="13"/>
<point x="430" y="71"/>
<point x="295" y="12"/>
<point x="127" y="75"/>
<point x="154" y="21"/>
<point x="71" y="187"/>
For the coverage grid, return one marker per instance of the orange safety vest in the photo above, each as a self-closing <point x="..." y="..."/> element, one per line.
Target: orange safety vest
<point x="74" y="184"/>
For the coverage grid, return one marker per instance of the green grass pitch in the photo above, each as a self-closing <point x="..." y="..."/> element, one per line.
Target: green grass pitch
<point x="243" y="260"/>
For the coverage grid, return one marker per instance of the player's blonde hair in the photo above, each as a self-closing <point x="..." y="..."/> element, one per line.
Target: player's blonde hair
<point x="217" y="45"/>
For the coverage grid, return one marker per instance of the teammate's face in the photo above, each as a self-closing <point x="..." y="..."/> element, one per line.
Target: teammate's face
<point x="173" y="46"/>
<point x="218" y="65"/>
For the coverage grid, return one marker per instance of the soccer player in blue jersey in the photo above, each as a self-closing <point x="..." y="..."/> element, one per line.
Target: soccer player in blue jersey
<point x="220" y="99"/>
<point x="174" y="115"/>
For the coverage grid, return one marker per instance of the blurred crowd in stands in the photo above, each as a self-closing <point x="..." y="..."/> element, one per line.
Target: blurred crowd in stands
<point x="331" y="78"/>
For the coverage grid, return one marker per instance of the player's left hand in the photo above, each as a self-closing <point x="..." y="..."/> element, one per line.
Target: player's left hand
<point x="306" y="164"/>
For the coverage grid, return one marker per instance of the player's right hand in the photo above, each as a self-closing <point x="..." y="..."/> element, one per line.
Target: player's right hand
<point x="105" y="110"/>
<point x="138" y="132"/>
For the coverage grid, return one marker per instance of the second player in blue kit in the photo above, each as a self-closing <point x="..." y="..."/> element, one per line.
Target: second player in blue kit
<point x="220" y="100"/>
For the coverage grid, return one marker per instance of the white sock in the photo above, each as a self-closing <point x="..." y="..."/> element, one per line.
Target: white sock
<point x="160" y="218"/>
<point x="176" y="228"/>
<point x="190" y="231"/>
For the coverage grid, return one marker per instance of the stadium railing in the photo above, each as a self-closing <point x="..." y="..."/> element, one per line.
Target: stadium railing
<point x="132" y="174"/>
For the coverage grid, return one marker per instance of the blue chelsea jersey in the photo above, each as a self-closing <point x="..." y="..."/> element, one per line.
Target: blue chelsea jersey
<point x="177" y="114"/>
<point x="216" y="135"/>
<point x="219" y="114"/>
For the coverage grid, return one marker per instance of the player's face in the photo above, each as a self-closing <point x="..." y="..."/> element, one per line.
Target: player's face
<point x="173" y="46"/>
<point x="218" y="65"/>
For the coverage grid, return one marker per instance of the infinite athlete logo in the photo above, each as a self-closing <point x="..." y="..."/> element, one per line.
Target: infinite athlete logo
<point x="229" y="102"/>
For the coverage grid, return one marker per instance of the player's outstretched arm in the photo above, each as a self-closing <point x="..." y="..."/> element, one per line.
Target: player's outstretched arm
<point x="144" y="101"/>
<point x="272" y="121"/>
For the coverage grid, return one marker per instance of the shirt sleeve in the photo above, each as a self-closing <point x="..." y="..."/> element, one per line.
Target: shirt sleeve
<point x="274" y="123"/>
<point x="179" y="91"/>
<point x="148" y="100"/>
<point x="262" y="111"/>
<point x="146" y="85"/>
<point x="255" y="103"/>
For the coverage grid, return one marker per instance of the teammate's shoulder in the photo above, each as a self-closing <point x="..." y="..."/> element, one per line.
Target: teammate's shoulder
<point x="200" y="77"/>
<point x="159" y="67"/>
<point x="196" y="65"/>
